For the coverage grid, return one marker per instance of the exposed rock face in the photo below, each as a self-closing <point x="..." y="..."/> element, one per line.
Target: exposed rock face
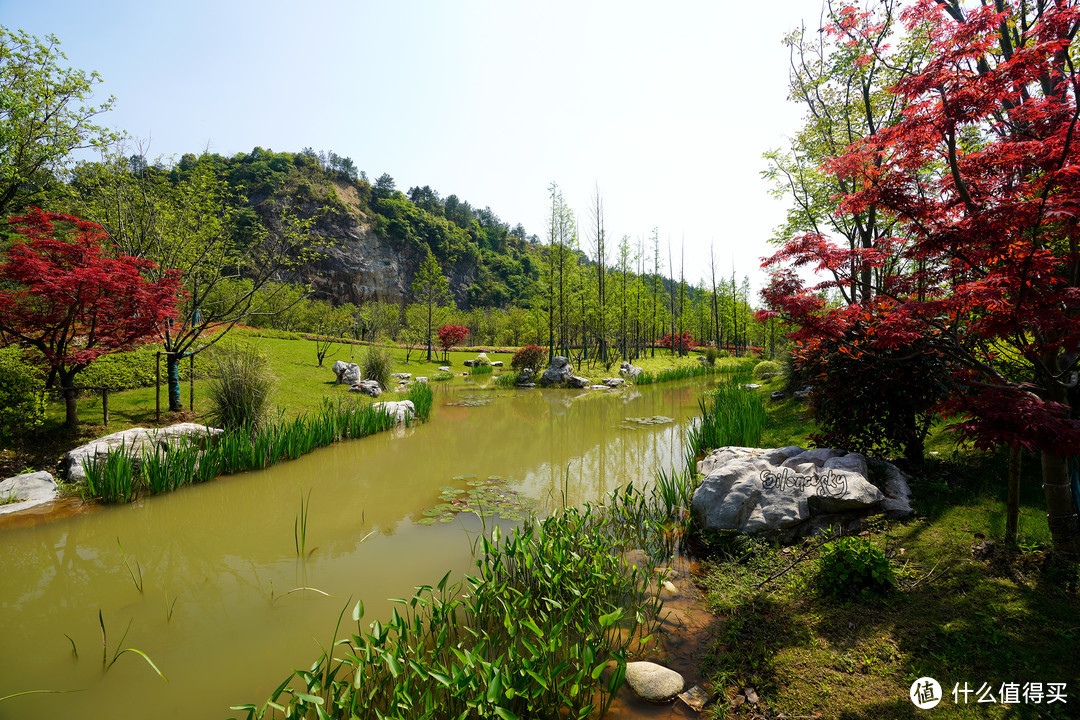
<point x="347" y="373"/>
<point x="368" y="387"/>
<point x="358" y="265"/>
<point x="653" y="682"/>
<point x="630" y="371"/>
<point x="401" y="411"/>
<point x="789" y="492"/>
<point x="28" y="490"/>
<point x="140" y="440"/>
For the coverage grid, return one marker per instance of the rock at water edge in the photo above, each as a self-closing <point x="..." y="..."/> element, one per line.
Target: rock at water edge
<point x="653" y="682"/>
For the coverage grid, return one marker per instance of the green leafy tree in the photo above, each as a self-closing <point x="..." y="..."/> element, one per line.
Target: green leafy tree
<point x="432" y="290"/>
<point x="44" y="115"/>
<point x="188" y="220"/>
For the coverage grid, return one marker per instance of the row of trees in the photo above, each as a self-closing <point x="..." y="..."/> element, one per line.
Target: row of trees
<point x="936" y="184"/>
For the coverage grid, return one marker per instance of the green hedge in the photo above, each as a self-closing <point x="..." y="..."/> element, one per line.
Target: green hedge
<point x="22" y="399"/>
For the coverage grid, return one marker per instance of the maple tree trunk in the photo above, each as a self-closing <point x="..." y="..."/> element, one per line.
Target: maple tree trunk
<point x="1060" y="510"/>
<point x="172" y="363"/>
<point x="71" y="418"/>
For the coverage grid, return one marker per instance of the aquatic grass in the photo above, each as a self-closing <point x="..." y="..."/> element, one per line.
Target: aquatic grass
<point x="422" y="398"/>
<point x="377" y="365"/>
<point x="673" y="491"/>
<point x="116" y="477"/>
<point x="541" y="628"/>
<point x="480" y="370"/>
<point x="112" y="478"/>
<point x="730" y="415"/>
<point x="107" y="664"/>
<point x="507" y="380"/>
<point x="137" y="580"/>
<point x="688" y="371"/>
<point x="300" y="524"/>
<point x="441" y="376"/>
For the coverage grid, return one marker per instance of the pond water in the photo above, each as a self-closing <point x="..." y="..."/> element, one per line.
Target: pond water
<point x="220" y="612"/>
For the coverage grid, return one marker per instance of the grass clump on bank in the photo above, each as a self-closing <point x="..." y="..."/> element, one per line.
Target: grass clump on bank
<point x="730" y="415"/>
<point x="542" y="629"/>
<point x="240" y="390"/>
<point x="123" y="474"/>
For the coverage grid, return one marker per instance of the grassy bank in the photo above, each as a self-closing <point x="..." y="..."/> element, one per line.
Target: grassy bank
<point x="966" y="608"/>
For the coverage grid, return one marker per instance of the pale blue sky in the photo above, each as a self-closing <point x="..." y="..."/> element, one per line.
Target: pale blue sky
<point x="667" y="106"/>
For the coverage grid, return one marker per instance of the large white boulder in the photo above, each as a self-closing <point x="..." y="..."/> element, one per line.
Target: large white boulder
<point x="140" y="441"/>
<point x="630" y="371"/>
<point x="789" y="492"/>
<point x="401" y="410"/>
<point x="368" y="387"/>
<point x="25" y="491"/>
<point x="347" y="373"/>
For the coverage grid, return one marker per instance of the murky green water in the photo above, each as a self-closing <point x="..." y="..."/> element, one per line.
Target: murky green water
<point x="221" y="557"/>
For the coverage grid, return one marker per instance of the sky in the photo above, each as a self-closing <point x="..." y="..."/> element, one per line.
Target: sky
<point x="666" y="108"/>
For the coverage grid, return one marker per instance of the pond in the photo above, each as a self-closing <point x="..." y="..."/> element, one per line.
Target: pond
<point x="227" y="605"/>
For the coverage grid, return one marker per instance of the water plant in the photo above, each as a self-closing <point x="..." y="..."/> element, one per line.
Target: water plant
<point x="486" y="498"/>
<point x="115" y="476"/>
<point x="730" y="415"/>
<point x="480" y="370"/>
<point x="509" y="379"/>
<point x="106" y="664"/>
<point x="300" y="525"/>
<point x="441" y="376"/>
<point x="542" y="628"/>
<point x="422" y="398"/>
<point x="112" y="477"/>
<point x="137" y="580"/>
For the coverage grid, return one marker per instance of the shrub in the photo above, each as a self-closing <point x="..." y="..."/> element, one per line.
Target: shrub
<point x="240" y="393"/>
<point x="766" y="367"/>
<point x="850" y="565"/>
<point x="377" y="365"/>
<point x="530" y="357"/>
<point x="507" y="380"/>
<point x="678" y="343"/>
<point x="481" y="360"/>
<point x="22" y="395"/>
<point x="711" y="354"/>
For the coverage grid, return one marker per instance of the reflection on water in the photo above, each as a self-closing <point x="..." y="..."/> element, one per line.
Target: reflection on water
<point x="217" y="562"/>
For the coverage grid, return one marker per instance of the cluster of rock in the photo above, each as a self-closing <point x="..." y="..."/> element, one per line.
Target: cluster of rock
<point x="630" y="371"/>
<point x="790" y="492"/>
<point x="368" y="387"/>
<point x="347" y="373"/>
<point x="140" y="441"/>
<point x="561" y="374"/>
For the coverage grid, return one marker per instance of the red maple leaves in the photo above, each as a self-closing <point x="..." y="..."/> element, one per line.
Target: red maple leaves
<point x="65" y="296"/>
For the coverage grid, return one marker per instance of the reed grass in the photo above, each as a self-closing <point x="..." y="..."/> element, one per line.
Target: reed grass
<point x="440" y="376"/>
<point x="377" y="365"/>
<point x="240" y="392"/>
<point x="679" y="373"/>
<point x="481" y="370"/>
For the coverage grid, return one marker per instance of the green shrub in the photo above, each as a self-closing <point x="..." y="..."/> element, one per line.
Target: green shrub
<point x="240" y="393"/>
<point x="377" y="364"/>
<point x="767" y="367"/>
<point x="850" y="565"/>
<point x="531" y="357"/>
<point x="711" y="354"/>
<point x="22" y="395"/>
<point x="481" y="360"/>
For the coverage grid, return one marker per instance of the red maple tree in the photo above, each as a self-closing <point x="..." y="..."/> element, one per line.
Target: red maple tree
<point x="66" y="297"/>
<point x="451" y="335"/>
<point x="983" y="173"/>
